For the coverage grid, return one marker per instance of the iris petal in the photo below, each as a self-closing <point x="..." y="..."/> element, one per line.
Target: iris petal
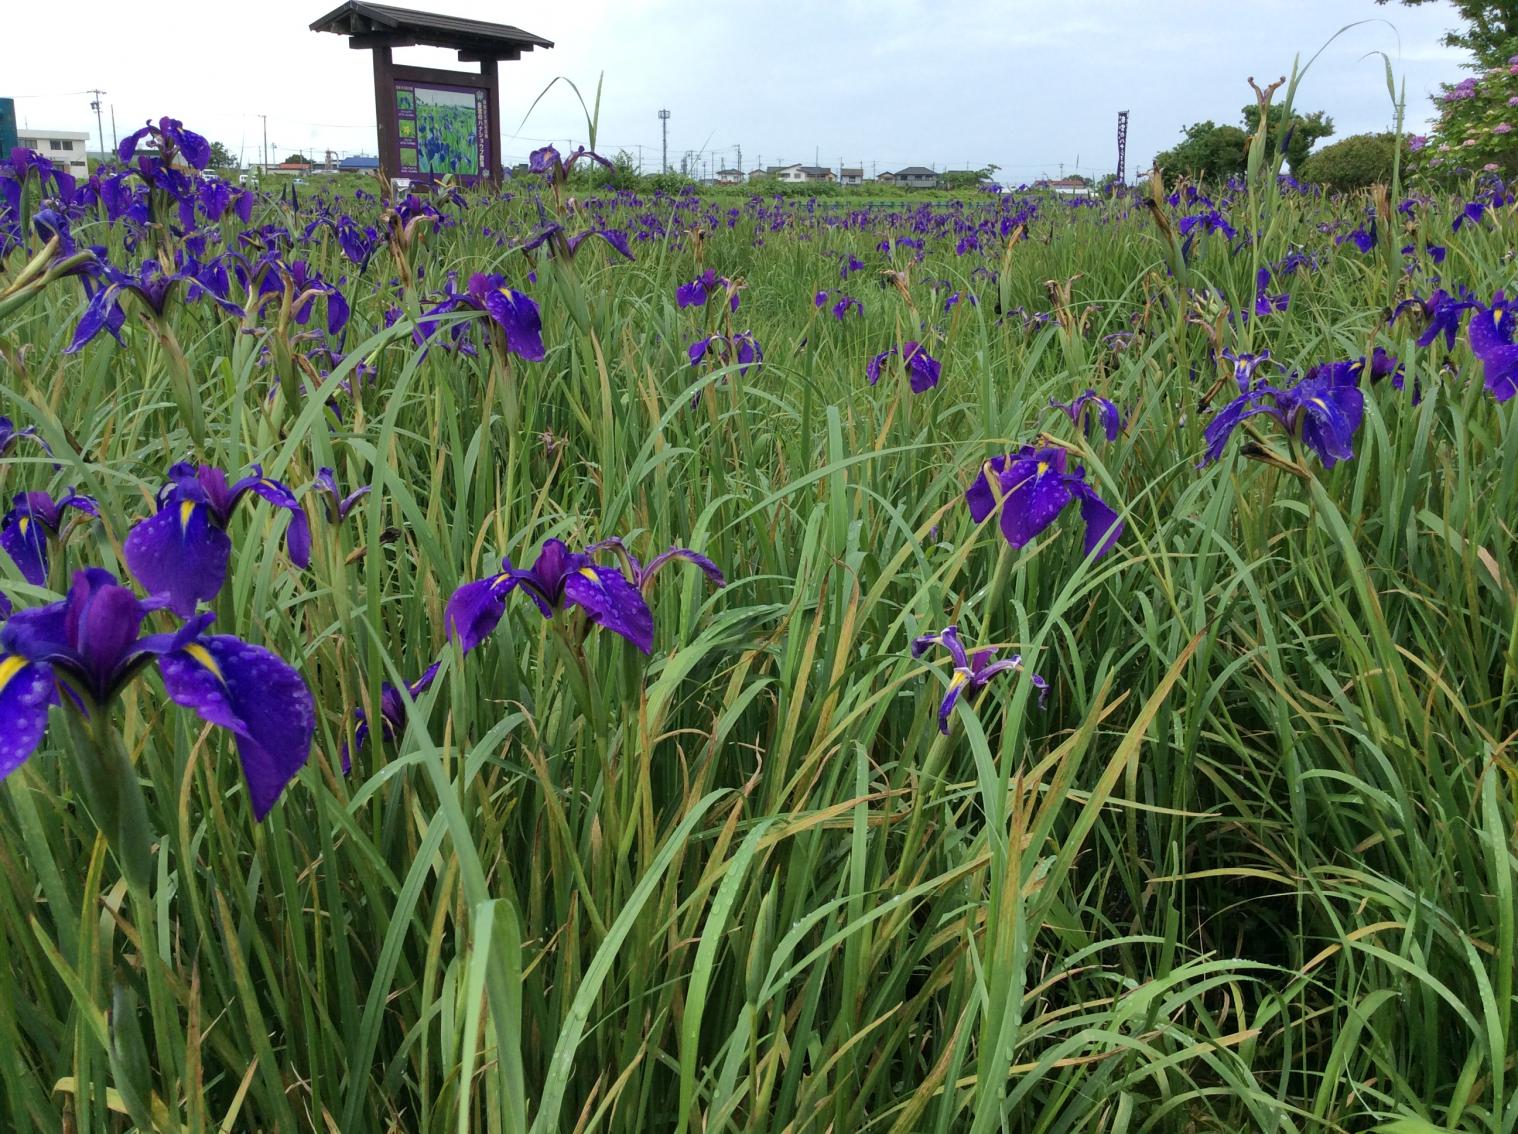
<point x="254" y="695"/>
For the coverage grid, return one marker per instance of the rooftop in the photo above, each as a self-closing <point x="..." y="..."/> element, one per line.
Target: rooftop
<point x="374" y="25"/>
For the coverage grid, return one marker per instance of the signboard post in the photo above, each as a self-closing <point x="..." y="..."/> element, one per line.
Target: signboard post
<point x="8" y="139"/>
<point x="433" y="123"/>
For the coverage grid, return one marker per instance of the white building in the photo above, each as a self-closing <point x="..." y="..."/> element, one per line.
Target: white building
<point x="64" y="148"/>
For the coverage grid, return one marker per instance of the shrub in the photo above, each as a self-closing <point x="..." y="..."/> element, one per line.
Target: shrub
<point x="1355" y="162"/>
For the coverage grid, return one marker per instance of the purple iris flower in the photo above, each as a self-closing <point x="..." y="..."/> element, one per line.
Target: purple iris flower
<point x="1363" y="238"/>
<point x="743" y="345"/>
<point x="171" y="138"/>
<point x="1491" y="339"/>
<point x="561" y="578"/>
<point x="392" y="712"/>
<point x="1244" y="366"/>
<point x="91" y="646"/>
<point x="1210" y="221"/>
<point x="697" y="291"/>
<point x="304" y="285"/>
<point x="10" y="436"/>
<point x="1472" y="212"/>
<point x="923" y="370"/>
<point x="614" y="237"/>
<point x="1104" y="411"/>
<point x="1031" y="488"/>
<point x="841" y="308"/>
<point x="1441" y="313"/>
<point x="971" y="671"/>
<point x="182" y="550"/>
<point x="34" y="519"/>
<point x="514" y="313"/>
<point x="334" y="503"/>
<point x="1265" y="303"/>
<point x="1324" y="409"/>
<point x="154" y="287"/>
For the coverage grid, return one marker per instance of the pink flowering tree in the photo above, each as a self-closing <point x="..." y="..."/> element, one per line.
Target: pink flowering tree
<point x="1477" y="127"/>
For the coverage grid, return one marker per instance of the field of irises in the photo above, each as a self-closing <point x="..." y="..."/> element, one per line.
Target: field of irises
<point x="540" y="659"/>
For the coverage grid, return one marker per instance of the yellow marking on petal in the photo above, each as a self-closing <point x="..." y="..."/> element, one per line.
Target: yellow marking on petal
<point x="959" y="678"/>
<point x="1043" y="467"/>
<point x="1319" y="402"/>
<point x="590" y="573"/>
<point x="11" y="665"/>
<point x="23" y="523"/>
<point x="203" y="656"/>
<point x="186" y="510"/>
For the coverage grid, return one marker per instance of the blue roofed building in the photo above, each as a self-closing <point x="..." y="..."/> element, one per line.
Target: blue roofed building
<point x="358" y="163"/>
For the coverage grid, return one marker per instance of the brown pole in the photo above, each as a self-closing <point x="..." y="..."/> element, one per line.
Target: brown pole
<point x="490" y="69"/>
<point x="384" y="112"/>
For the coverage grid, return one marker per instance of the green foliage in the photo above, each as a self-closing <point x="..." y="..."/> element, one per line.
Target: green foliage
<point x="1207" y="151"/>
<point x="966" y="178"/>
<point x="1303" y="131"/>
<point x="297" y="159"/>
<point x="221" y="157"/>
<point x="1355" y="162"/>
<point x="1250" y="868"/>
<point x="1477" y="126"/>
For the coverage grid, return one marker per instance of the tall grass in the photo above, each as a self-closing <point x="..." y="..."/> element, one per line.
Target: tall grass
<point x="1251" y="867"/>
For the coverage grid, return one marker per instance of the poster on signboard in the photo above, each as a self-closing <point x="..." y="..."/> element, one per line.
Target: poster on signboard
<point x="443" y="131"/>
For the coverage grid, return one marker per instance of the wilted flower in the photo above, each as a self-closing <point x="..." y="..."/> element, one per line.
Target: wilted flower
<point x="1031" y="488"/>
<point x="182" y="550"/>
<point x="971" y="671"/>
<point x="90" y="645"/>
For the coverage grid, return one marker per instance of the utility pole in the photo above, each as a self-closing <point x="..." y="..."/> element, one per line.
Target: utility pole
<point x="664" y="125"/>
<point x="113" y="126"/>
<point x="740" y="160"/>
<point x="99" y="121"/>
<point x="265" y="117"/>
<point x="640" y="159"/>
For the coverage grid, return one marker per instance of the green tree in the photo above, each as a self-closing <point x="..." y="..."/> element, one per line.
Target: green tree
<point x="221" y="157"/>
<point x="1305" y="129"/>
<point x="1355" y="162"/>
<point x="297" y="159"/>
<point x="1207" y="151"/>
<point x="966" y="178"/>
<point x="1490" y="30"/>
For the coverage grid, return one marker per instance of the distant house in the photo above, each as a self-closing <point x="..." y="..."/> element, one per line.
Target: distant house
<point x="358" y="163"/>
<point x="1065" y="186"/>
<point x="729" y="177"/>
<point x="799" y="173"/>
<point x="916" y="177"/>
<point x="64" y="148"/>
<point x="847" y="176"/>
<point x="886" y="178"/>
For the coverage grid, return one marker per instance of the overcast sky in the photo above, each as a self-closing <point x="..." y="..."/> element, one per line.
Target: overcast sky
<point x="1030" y="85"/>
